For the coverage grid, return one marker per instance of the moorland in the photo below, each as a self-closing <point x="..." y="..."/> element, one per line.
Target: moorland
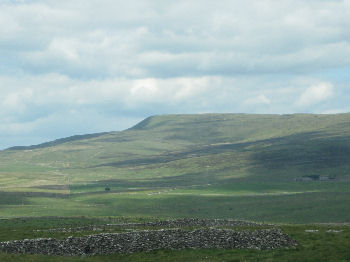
<point x="291" y="170"/>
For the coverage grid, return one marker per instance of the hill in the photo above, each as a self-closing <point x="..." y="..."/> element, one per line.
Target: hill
<point x="279" y="168"/>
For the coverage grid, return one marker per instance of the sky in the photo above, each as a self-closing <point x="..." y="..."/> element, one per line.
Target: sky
<point x="85" y="66"/>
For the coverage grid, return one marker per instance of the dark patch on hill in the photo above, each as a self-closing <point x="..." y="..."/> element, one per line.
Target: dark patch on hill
<point x="309" y="150"/>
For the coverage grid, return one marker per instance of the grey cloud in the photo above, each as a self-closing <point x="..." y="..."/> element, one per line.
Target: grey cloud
<point x="112" y="38"/>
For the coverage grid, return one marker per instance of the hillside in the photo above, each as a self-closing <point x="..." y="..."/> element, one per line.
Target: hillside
<point x="189" y="165"/>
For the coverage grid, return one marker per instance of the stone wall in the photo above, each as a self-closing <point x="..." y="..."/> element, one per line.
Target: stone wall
<point x="176" y="223"/>
<point x="139" y="241"/>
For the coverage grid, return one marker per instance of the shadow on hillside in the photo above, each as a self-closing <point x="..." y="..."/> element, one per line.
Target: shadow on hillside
<point x="309" y="146"/>
<point x="198" y="151"/>
<point x="308" y="151"/>
<point x="19" y="198"/>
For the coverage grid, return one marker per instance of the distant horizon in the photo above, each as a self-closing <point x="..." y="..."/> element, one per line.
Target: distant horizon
<point x="111" y="131"/>
<point x="76" y="67"/>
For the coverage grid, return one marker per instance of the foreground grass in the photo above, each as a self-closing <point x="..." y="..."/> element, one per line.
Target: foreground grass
<point x="330" y="243"/>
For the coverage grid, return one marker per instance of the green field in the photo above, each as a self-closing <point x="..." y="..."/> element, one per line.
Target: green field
<point x="238" y="166"/>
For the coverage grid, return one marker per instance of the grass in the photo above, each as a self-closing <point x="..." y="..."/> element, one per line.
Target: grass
<point x="313" y="246"/>
<point x="299" y="207"/>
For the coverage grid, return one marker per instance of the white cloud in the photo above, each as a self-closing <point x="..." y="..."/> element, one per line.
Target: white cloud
<point x="59" y="91"/>
<point x="41" y="108"/>
<point x="107" y="59"/>
<point x="258" y="100"/>
<point x="337" y="111"/>
<point x="147" y="39"/>
<point x="315" y="94"/>
<point x="17" y="101"/>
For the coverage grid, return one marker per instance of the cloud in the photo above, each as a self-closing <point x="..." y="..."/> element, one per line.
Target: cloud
<point x="35" y="109"/>
<point x="28" y="98"/>
<point x="145" y="39"/>
<point x="315" y="94"/>
<point x="337" y="111"/>
<point x="104" y="60"/>
<point x="258" y="100"/>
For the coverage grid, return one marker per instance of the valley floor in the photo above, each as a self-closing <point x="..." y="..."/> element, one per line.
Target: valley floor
<point x="292" y="202"/>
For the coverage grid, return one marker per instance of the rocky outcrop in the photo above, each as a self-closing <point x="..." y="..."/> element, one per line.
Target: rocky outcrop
<point x="139" y="241"/>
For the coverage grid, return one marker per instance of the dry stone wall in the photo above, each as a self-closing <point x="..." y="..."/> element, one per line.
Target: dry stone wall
<point x="139" y="241"/>
<point x="177" y="223"/>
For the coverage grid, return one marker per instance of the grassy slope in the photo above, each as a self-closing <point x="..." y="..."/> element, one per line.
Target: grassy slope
<point x="211" y="165"/>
